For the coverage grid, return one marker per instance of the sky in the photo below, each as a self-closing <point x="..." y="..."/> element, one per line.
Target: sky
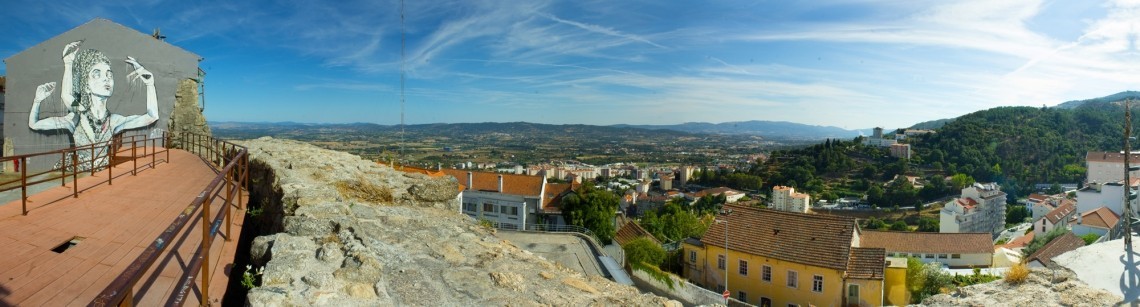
<point x="852" y="64"/>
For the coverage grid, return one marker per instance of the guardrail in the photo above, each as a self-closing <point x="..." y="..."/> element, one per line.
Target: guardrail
<point x="230" y="162"/>
<point x="96" y="154"/>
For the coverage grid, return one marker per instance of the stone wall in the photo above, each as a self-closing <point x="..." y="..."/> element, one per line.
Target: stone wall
<point x="353" y="232"/>
<point x="682" y="290"/>
<point x="187" y="115"/>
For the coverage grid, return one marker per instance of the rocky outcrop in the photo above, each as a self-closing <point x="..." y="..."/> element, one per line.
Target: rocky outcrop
<point x="187" y="115"/>
<point x="353" y="232"/>
<point x="1043" y="287"/>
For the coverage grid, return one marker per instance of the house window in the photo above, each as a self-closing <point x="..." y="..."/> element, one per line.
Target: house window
<point x="941" y="256"/>
<point x="487" y="207"/>
<point x="793" y="279"/>
<point x="817" y="283"/>
<point x="470" y="207"/>
<point x="743" y="268"/>
<point x="852" y="292"/>
<point x="742" y="296"/>
<point x="693" y="256"/>
<point x="766" y="273"/>
<point x="929" y="256"/>
<point x="514" y="210"/>
<point x="720" y="262"/>
<point x="956" y="256"/>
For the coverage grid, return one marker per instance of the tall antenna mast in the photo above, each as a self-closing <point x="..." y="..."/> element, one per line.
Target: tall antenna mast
<point x="402" y="60"/>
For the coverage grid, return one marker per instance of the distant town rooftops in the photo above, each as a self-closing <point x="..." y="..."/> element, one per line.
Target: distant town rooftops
<point x="1067" y="207"/>
<point x="928" y="242"/>
<point x="717" y="191"/>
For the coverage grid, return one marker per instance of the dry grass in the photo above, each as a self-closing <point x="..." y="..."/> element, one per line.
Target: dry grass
<point x="1017" y="273"/>
<point x="363" y="190"/>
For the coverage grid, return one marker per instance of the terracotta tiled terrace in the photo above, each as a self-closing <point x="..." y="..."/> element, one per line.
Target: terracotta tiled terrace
<point x="114" y="224"/>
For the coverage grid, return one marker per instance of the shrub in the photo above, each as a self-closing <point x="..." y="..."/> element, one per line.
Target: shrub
<point x="1090" y="238"/>
<point x="642" y="250"/>
<point x="1017" y="273"/>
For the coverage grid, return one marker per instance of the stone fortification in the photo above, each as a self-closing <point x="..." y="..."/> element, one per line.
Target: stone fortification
<point x="351" y="232"/>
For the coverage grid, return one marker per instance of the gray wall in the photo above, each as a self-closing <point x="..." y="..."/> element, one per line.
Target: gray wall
<point x="42" y="63"/>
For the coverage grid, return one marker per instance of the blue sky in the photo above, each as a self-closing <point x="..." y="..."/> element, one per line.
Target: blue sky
<point x="846" y="63"/>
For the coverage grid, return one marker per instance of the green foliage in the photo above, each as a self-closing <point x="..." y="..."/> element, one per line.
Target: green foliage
<point x="733" y="179"/>
<point x="592" y="208"/>
<point x="1016" y="214"/>
<point x="960" y="181"/>
<point x="486" y="223"/>
<point x="976" y="278"/>
<point x="249" y="278"/>
<point x="1090" y="238"/>
<point x="643" y="250"/>
<point x="671" y="223"/>
<point x="875" y="224"/>
<point x="1038" y="242"/>
<point x="1026" y="143"/>
<point x="925" y="280"/>
<point x="255" y="212"/>
<point x="899" y="226"/>
<point x="654" y="272"/>
<point x="928" y="224"/>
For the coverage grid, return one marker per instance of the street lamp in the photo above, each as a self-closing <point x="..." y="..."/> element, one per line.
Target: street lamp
<point x="725" y="213"/>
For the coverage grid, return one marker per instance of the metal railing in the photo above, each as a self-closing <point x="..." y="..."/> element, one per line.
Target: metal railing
<point x="230" y="162"/>
<point x="69" y="162"/>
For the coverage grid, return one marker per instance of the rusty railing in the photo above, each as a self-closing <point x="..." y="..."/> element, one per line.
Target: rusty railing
<point x="230" y="162"/>
<point x="108" y="151"/>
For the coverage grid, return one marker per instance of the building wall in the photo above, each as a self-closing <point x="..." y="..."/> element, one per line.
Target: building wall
<point x="870" y="292"/>
<point x="703" y="271"/>
<point x="1103" y="172"/>
<point x="478" y="200"/>
<point x="1110" y="195"/>
<point x="976" y="260"/>
<point x="41" y="64"/>
<point x="894" y="286"/>
<point x="1081" y="230"/>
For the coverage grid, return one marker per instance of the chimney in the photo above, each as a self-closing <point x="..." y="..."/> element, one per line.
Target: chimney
<point x="500" y="183"/>
<point x="469" y="180"/>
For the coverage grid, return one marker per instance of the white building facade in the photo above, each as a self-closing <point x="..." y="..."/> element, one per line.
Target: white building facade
<point x="981" y="208"/>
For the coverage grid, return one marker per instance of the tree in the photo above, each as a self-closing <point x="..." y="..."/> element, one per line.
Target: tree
<point x="927" y="224"/>
<point x="643" y="250"/>
<point x="925" y="280"/>
<point x="874" y="223"/>
<point x="1090" y="238"/>
<point x="1039" y="242"/>
<point x="875" y="195"/>
<point x="1016" y="214"/>
<point x="899" y="226"/>
<point x="592" y="208"/>
<point x="960" y="181"/>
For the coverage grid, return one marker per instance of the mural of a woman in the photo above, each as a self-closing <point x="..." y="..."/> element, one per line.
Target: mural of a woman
<point x="87" y="84"/>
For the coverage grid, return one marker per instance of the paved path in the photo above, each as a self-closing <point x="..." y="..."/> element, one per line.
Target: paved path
<point x="112" y="225"/>
<point x="568" y="250"/>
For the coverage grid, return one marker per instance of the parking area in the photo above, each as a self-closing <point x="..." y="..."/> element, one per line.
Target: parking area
<point x="568" y="250"/>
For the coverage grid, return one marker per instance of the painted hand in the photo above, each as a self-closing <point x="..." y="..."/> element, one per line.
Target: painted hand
<point x="43" y="91"/>
<point x="69" y="51"/>
<point x="139" y="73"/>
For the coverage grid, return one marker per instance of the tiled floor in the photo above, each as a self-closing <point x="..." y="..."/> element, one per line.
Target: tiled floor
<point x="116" y="223"/>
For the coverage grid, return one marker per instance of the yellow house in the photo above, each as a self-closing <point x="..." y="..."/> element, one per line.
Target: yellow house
<point x="779" y="258"/>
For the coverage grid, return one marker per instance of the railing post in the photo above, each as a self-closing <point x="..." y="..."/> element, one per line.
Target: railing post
<point x="153" y="153"/>
<point x="74" y="174"/>
<point x="244" y="177"/>
<point x="92" y="159"/>
<point x="134" y="158"/>
<point x="206" y="249"/>
<point x="24" y="185"/>
<point x="128" y="298"/>
<point x="229" y="197"/>
<point x="109" y="177"/>
<point x="63" y="169"/>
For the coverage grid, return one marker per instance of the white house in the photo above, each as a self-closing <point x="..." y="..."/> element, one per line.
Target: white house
<point x="1108" y="166"/>
<point x="1111" y="195"/>
<point x="957" y="250"/>
<point x="981" y="208"/>
<point x="1057" y="218"/>
<point x="1099" y="221"/>
<point x="508" y="199"/>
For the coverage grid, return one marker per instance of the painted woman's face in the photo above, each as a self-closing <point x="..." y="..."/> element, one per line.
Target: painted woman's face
<point x="100" y="80"/>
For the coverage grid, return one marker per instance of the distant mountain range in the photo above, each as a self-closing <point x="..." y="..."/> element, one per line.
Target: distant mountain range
<point x="773" y="130"/>
<point x="767" y="129"/>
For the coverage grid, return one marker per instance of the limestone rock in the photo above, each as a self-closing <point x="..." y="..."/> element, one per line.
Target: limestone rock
<point x="1043" y="287"/>
<point x="412" y="247"/>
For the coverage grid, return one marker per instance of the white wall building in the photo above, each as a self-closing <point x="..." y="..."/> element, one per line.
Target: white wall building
<point x="1103" y="167"/>
<point x="786" y="199"/>
<point x="508" y="199"/>
<point x="981" y="208"/>
<point x="1111" y="195"/>
<point x="957" y="250"/>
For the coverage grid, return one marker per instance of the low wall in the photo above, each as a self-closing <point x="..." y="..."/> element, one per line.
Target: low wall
<point x="683" y="291"/>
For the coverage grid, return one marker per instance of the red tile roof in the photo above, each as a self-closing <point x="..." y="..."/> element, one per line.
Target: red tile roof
<point x="1100" y="218"/>
<point x="812" y="239"/>
<point x="630" y="231"/>
<point x="553" y="197"/>
<point x="1037" y="197"/>
<point x="928" y="242"/>
<point x="1113" y="157"/>
<point x="1065" y="209"/>
<point x="1058" y="246"/>
<point x="523" y="185"/>
<point x="969" y="203"/>
<point x="866" y="263"/>
<point x="1021" y="241"/>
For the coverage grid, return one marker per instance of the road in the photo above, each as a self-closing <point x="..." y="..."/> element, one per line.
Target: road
<point x="1013" y="233"/>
